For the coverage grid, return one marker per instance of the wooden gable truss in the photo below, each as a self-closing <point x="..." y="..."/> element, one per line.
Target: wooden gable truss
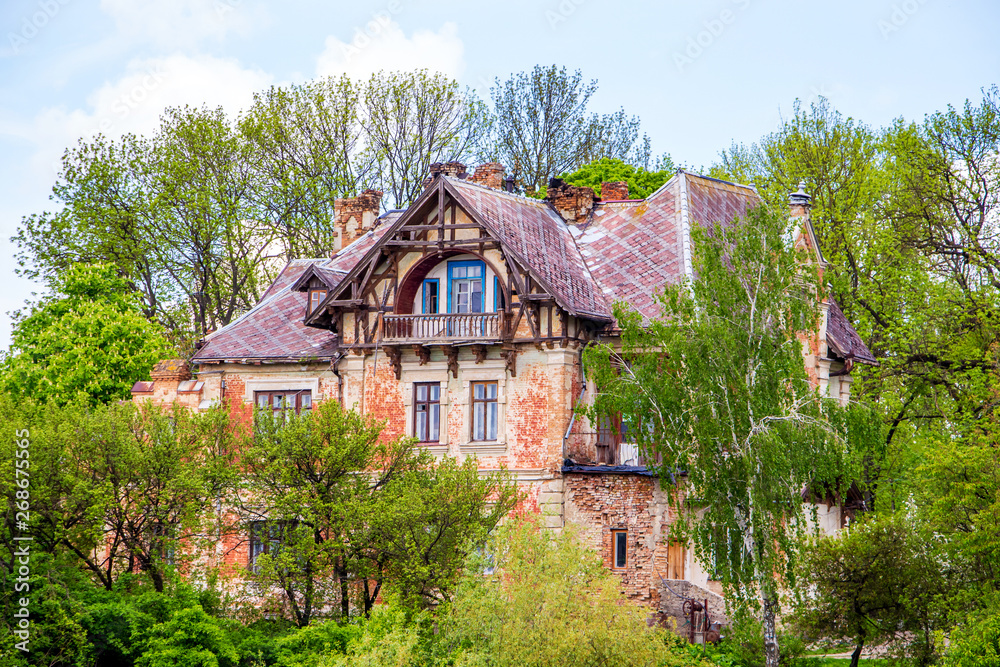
<point x="370" y="290"/>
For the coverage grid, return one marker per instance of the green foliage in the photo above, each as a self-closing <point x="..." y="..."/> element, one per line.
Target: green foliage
<point x="191" y="638"/>
<point x="115" y="487"/>
<point x="353" y="506"/>
<point x="903" y="215"/>
<point x="88" y="341"/>
<point x="874" y="583"/>
<point x="549" y="602"/>
<point x="716" y="387"/>
<point x="976" y="641"/>
<point x="743" y="645"/>
<point x="641" y="183"/>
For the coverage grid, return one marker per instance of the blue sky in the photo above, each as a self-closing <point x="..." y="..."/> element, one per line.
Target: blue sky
<point x="699" y="75"/>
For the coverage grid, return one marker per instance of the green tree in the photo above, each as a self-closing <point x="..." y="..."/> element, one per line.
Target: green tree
<point x="87" y="341"/>
<point x="200" y="215"/>
<point x="352" y="510"/>
<point x="116" y="488"/>
<point x="869" y="585"/>
<point x="904" y="215"/>
<point x="550" y="601"/>
<point x="541" y="127"/>
<point x="413" y="119"/>
<point x="191" y="638"/>
<point x="716" y="388"/>
<point x="641" y="183"/>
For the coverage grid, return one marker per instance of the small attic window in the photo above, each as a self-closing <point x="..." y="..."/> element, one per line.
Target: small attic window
<point x="316" y="297"/>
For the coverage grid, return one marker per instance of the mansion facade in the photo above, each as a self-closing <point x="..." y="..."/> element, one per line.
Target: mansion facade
<point x="461" y="321"/>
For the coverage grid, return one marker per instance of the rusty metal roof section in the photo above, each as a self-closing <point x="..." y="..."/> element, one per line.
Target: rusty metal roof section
<point x="272" y="330"/>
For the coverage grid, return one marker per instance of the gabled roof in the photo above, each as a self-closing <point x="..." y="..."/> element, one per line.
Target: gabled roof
<point x="528" y="230"/>
<point x="624" y="251"/>
<point x="538" y="236"/>
<point x="273" y="329"/>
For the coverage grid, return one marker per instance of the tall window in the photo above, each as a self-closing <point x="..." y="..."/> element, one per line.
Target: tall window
<point x="466" y="286"/>
<point x="484" y="410"/>
<point x="619" y="546"/>
<point x="427" y="411"/>
<point x="266" y="538"/>
<point x="316" y="297"/>
<point x="431" y="296"/>
<point x="285" y="401"/>
<point x="499" y="303"/>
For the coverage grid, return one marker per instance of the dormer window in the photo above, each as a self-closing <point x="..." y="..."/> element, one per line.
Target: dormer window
<point x="316" y="297"/>
<point x="466" y="286"/>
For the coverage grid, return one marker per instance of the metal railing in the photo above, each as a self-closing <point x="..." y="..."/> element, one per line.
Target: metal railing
<point x="445" y="326"/>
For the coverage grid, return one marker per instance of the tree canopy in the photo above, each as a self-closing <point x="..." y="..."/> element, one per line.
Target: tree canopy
<point x="87" y="341"/>
<point x="353" y="510"/>
<point x="641" y="183"/>
<point x="715" y="389"/>
<point x="542" y="127"/>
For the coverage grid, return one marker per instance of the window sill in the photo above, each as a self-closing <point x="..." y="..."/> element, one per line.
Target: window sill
<point x="484" y="448"/>
<point x="435" y="448"/>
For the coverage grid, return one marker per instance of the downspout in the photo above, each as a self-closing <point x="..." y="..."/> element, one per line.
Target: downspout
<point x="583" y="390"/>
<point x="340" y="378"/>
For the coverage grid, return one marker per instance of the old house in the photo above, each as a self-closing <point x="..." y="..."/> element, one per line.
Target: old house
<point x="461" y="322"/>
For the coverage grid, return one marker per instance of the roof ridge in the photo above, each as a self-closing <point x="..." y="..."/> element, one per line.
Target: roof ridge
<point x="513" y="195"/>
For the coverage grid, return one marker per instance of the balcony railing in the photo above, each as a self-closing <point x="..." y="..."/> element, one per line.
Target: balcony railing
<point x="444" y="327"/>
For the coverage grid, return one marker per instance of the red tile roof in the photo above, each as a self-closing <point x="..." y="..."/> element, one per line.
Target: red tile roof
<point x="842" y="337"/>
<point x="541" y="238"/>
<point x="625" y="251"/>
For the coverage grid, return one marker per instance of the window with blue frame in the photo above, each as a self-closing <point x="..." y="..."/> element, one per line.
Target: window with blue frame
<point x="466" y="286"/>
<point x="431" y="298"/>
<point x="499" y="302"/>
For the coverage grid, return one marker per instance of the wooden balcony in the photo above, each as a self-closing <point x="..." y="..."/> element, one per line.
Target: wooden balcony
<point x="444" y="327"/>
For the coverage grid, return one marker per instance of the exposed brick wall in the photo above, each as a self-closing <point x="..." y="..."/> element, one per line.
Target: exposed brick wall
<point x="603" y="503"/>
<point x="573" y="203"/>
<point x="528" y="416"/>
<point x="614" y="190"/>
<point x="384" y="396"/>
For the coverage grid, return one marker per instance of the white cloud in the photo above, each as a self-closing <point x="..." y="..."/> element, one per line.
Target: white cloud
<point x="135" y="101"/>
<point x="180" y="24"/>
<point x="382" y="45"/>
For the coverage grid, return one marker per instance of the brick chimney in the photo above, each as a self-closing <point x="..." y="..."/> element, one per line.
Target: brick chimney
<point x="170" y="382"/>
<point x="614" y="190"/>
<point x="489" y="174"/>
<point x="453" y="169"/>
<point x="573" y="203"/>
<point x="355" y="216"/>
<point x="176" y="370"/>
